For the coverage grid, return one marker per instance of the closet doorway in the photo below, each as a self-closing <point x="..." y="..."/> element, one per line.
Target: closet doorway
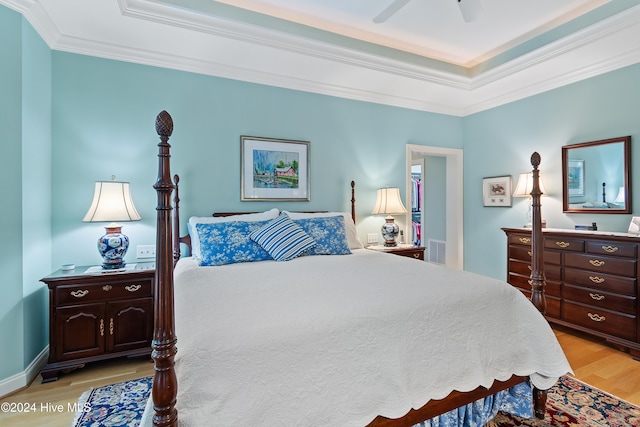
<point x="437" y="212"/>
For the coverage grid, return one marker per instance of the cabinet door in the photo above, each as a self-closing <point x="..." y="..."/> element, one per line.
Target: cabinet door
<point x="130" y="324"/>
<point x="80" y="331"/>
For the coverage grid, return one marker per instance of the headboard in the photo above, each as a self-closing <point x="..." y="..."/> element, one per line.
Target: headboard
<point x="186" y="239"/>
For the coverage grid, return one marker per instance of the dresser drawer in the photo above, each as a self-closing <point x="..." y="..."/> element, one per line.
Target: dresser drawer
<point x="600" y="320"/>
<point x="603" y="264"/>
<point x="570" y="245"/>
<point x="522" y="282"/>
<point x="523" y="253"/>
<point x="520" y="239"/>
<point x="612" y="249"/>
<point x="81" y="293"/>
<point x="605" y="282"/>
<point x="600" y="299"/>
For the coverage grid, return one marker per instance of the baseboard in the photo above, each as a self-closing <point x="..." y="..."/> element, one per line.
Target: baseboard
<point x="24" y="378"/>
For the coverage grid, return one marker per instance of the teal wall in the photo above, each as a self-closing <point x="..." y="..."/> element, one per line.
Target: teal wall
<point x="69" y="120"/>
<point x="104" y="113"/>
<point x="11" y="306"/>
<point x="500" y="141"/>
<point x="36" y="189"/>
<point x="25" y="217"/>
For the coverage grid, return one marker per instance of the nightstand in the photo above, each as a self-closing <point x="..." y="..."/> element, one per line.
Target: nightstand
<point x="409" y="251"/>
<point x="96" y="315"/>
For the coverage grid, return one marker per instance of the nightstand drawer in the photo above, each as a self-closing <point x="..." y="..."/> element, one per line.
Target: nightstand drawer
<point x="106" y="291"/>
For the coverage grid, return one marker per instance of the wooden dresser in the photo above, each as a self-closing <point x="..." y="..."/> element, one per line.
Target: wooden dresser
<point x="98" y="316"/>
<point x="591" y="281"/>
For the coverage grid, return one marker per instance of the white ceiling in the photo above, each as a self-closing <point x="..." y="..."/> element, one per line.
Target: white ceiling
<point x="424" y="57"/>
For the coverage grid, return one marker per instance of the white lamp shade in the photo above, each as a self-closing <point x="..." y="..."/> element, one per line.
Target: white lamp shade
<point x="524" y="187"/>
<point x="620" y="196"/>
<point x="388" y="202"/>
<point x="112" y="202"/>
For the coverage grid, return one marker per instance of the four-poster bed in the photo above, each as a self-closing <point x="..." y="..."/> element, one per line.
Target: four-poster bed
<point x="541" y="365"/>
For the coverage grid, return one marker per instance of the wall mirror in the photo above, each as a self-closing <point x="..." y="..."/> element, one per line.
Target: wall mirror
<point x="596" y="176"/>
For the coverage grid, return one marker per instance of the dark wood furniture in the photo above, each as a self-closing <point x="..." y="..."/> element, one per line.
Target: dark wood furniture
<point x="164" y="344"/>
<point x="98" y="316"/>
<point x="415" y="252"/>
<point x="592" y="281"/>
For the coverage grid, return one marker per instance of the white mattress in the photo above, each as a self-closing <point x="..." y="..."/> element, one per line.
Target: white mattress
<point x="338" y="340"/>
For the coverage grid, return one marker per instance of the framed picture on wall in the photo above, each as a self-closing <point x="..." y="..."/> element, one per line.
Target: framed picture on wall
<point x="274" y="169"/>
<point x="496" y="191"/>
<point x="575" y="177"/>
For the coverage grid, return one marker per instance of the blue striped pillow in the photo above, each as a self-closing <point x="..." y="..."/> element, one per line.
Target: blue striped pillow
<point x="282" y="238"/>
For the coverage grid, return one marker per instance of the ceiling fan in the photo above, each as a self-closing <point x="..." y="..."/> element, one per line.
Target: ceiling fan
<point x="470" y="10"/>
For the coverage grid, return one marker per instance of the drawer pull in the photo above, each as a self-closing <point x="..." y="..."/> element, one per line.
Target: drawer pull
<point x="101" y="327"/>
<point x="596" y="279"/>
<point x="596" y="262"/>
<point x="525" y="240"/>
<point x="563" y="244"/>
<point x="596" y="317"/>
<point x="530" y="253"/>
<point x="107" y="288"/>
<point x="596" y="297"/>
<point x="133" y="288"/>
<point x="79" y="293"/>
<point x="111" y="326"/>
<point x="528" y="266"/>
<point x="610" y="249"/>
<point x="416" y="256"/>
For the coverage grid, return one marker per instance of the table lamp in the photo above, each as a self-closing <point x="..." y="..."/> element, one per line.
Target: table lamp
<point x="112" y="202"/>
<point x="524" y="187"/>
<point x="388" y="202"/>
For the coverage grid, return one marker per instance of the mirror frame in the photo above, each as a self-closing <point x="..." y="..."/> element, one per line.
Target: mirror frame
<point x="626" y="140"/>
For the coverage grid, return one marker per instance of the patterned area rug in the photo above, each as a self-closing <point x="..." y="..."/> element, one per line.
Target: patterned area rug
<point x="114" y="405"/>
<point x="572" y="403"/>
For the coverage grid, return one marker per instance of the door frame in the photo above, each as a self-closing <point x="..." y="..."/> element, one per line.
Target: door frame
<point x="454" y="188"/>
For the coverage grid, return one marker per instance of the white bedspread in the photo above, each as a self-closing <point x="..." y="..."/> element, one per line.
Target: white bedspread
<point x="337" y="340"/>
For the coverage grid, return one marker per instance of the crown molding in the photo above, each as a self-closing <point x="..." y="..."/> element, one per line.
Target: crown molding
<point x="325" y="68"/>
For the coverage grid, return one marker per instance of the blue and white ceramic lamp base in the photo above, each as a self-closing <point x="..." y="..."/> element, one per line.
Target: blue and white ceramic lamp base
<point x="113" y="246"/>
<point x="390" y="231"/>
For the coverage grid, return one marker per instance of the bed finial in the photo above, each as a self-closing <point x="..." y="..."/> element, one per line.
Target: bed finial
<point x="164" y="124"/>
<point x="535" y="160"/>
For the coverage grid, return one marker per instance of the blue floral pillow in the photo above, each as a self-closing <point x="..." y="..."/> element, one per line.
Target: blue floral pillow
<point x="283" y="238"/>
<point x="228" y="243"/>
<point x="329" y="233"/>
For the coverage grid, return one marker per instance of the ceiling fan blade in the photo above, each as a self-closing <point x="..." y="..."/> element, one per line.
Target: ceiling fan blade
<point x="471" y="9"/>
<point x="390" y="11"/>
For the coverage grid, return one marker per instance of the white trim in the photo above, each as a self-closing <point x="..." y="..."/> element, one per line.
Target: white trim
<point x="24" y="378"/>
<point x="326" y="68"/>
<point x="454" y="206"/>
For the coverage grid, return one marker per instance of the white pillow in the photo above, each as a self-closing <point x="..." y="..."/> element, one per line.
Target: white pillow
<point x="195" y="241"/>
<point x="350" y="226"/>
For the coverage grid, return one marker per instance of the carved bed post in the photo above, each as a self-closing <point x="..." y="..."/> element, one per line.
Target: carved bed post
<point x="537" y="272"/>
<point x="176" y="220"/>
<point x="353" y="201"/>
<point x="165" y="384"/>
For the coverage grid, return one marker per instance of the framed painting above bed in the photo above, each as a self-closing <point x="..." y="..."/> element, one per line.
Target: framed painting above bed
<point x="274" y="169"/>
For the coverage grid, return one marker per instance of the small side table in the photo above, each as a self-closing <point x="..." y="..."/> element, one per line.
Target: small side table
<point x="96" y="315"/>
<point x="410" y="251"/>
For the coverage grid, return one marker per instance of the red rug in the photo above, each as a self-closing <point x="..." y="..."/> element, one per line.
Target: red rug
<point x="572" y="403"/>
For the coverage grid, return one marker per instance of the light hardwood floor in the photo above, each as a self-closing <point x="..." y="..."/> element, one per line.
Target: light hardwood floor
<point x="592" y="361"/>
